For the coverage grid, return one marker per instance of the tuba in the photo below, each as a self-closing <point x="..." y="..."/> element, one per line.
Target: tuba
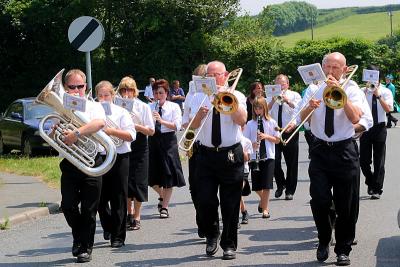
<point x="110" y="124"/>
<point x="82" y="154"/>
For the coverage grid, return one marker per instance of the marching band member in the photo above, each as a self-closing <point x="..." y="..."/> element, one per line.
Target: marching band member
<point x="165" y="170"/>
<point x="373" y="141"/>
<point x="256" y="89"/>
<point x="334" y="162"/>
<point x="247" y="151"/>
<point x="148" y="91"/>
<point x="261" y="130"/>
<point x="282" y="113"/>
<point x="76" y="186"/>
<point x="139" y="157"/>
<point x="115" y="181"/>
<point x="220" y="166"/>
<point x="192" y="105"/>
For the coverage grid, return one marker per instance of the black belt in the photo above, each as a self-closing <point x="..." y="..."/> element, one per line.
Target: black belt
<point x="218" y="149"/>
<point x="381" y="124"/>
<point x="333" y="144"/>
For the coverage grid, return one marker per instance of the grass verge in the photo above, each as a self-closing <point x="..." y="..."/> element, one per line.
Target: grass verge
<point x="46" y="168"/>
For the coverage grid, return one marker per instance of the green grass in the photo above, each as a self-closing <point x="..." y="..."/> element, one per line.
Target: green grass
<point x="45" y="168"/>
<point x="371" y="27"/>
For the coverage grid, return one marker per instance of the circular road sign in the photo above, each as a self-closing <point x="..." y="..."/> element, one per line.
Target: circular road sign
<point x="85" y="33"/>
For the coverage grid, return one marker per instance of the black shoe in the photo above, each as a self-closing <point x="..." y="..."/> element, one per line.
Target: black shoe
<point x="212" y="246"/>
<point x="375" y="196"/>
<point x="322" y="252"/>
<point x="75" y="248"/>
<point x="129" y="220"/>
<point x="106" y="235"/>
<point x="259" y="209"/>
<point x="343" y="260"/>
<point x="245" y="217"/>
<point x="278" y="192"/>
<point x="370" y="191"/>
<point x="85" y="255"/>
<point x="229" y="254"/>
<point x="117" y="243"/>
<point x="289" y="197"/>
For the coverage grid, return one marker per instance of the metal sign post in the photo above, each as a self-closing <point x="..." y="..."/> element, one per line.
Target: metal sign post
<point x="86" y="34"/>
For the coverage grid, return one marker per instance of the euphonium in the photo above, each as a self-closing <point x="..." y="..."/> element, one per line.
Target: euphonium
<point x="82" y="154"/>
<point x="116" y="140"/>
<point x="226" y="102"/>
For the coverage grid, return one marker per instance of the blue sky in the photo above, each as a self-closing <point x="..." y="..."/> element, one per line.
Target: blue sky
<point x="254" y="7"/>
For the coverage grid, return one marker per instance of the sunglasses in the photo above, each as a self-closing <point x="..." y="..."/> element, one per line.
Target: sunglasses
<point x="79" y="86"/>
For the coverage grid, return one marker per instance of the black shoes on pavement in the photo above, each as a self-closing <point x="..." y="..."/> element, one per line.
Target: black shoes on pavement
<point x="212" y="245"/>
<point x="85" y="255"/>
<point x="279" y="192"/>
<point x="117" y="243"/>
<point x="75" y="248"/>
<point x="229" y="254"/>
<point x="106" y="235"/>
<point x="343" y="260"/>
<point x="245" y="217"/>
<point x="322" y="252"/>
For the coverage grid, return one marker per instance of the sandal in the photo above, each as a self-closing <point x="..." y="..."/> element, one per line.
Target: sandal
<point x="159" y="206"/>
<point x="266" y="215"/>
<point x="136" y="225"/>
<point x="164" y="213"/>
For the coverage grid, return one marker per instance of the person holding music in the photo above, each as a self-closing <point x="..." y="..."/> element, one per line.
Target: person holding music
<point x="256" y="89"/>
<point x="334" y="167"/>
<point x="165" y="170"/>
<point x="220" y="167"/>
<point x="373" y="141"/>
<point x="139" y="157"/>
<point x="114" y="193"/>
<point x="262" y="131"/>
<point x="76" y="186"/>
<point x="192" y="105"/>
<point x="282" y="112"/>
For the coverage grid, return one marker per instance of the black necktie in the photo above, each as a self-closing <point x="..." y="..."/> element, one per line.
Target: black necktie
<point x="262" y="144"/>
<point x="280" y="115"/>
<point x="158" y="124"/>
<point x="374" y="109"/>
<point x="216" y="129"/>
<point x="329" y="121"/>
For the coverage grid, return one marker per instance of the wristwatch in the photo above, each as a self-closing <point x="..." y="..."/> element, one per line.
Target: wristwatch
<point x="77" y="133"/>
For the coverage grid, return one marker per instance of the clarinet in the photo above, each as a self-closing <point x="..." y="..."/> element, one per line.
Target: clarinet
<point x="257" y="160"/>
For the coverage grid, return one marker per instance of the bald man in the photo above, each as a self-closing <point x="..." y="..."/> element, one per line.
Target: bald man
<point x="334" y="165"/>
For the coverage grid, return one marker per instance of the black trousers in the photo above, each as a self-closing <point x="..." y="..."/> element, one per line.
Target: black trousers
<point x="113" y="200"/>
<point x="77" y="187"/>
<point x="335" y="176"/>
<point x="373" y="150"/>
<point x="193" y="183"/>
<point x="215" y="172"/>
<point x="291" y="154"/>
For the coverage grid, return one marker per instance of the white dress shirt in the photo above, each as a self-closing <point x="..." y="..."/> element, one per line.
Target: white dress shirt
<point x="312" y="88"/>
<point x="148" y="91"/>
<point x="366" y="119"/>
<point x="343" y="127"/>
<point x="230" y="131"/>
<point x="287" y="112"/>
<point x="122" y="119"/>
<point x="170" y="112"/>
<point x="247" y="149"/>
<point x="251" y="129"/>
<point x="193" y="106"/>
<point x="387" y="96"/>
<point x="143" y="110"/>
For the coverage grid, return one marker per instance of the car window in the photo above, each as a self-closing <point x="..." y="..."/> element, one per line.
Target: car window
<point x="36" y="111"/>
<point x="14" y="108"/>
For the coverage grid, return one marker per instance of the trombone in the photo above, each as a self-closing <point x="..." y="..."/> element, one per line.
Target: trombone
<point x="224" y="102"/>
<point x="333" y="96"/>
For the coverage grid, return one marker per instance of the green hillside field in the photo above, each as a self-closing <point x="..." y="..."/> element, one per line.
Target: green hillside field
<point x="371" y="26"/>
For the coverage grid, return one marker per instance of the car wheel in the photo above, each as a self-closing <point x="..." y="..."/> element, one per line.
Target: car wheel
<point x="3" y="148"/>
<point x="26" y="147"/>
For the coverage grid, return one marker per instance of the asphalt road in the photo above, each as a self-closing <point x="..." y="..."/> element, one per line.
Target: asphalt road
<point x="288" y="238"/>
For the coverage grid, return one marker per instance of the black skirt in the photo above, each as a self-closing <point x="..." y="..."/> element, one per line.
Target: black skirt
<point x="263" y="179"/>
<point x="165" y="165"/>
<point x="139" y="169"/>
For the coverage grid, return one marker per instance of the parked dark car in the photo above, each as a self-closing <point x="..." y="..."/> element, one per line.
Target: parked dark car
<point x="19" y="127"/>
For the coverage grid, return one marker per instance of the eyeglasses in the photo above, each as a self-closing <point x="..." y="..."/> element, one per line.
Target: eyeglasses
<point x="79" y="86"/>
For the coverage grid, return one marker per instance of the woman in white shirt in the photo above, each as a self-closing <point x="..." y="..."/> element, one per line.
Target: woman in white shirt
<point x="165" y="170"/>
<point x="261" y="130"/>
<point x="139" y="157"/>
<point x="115" y="181"/>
